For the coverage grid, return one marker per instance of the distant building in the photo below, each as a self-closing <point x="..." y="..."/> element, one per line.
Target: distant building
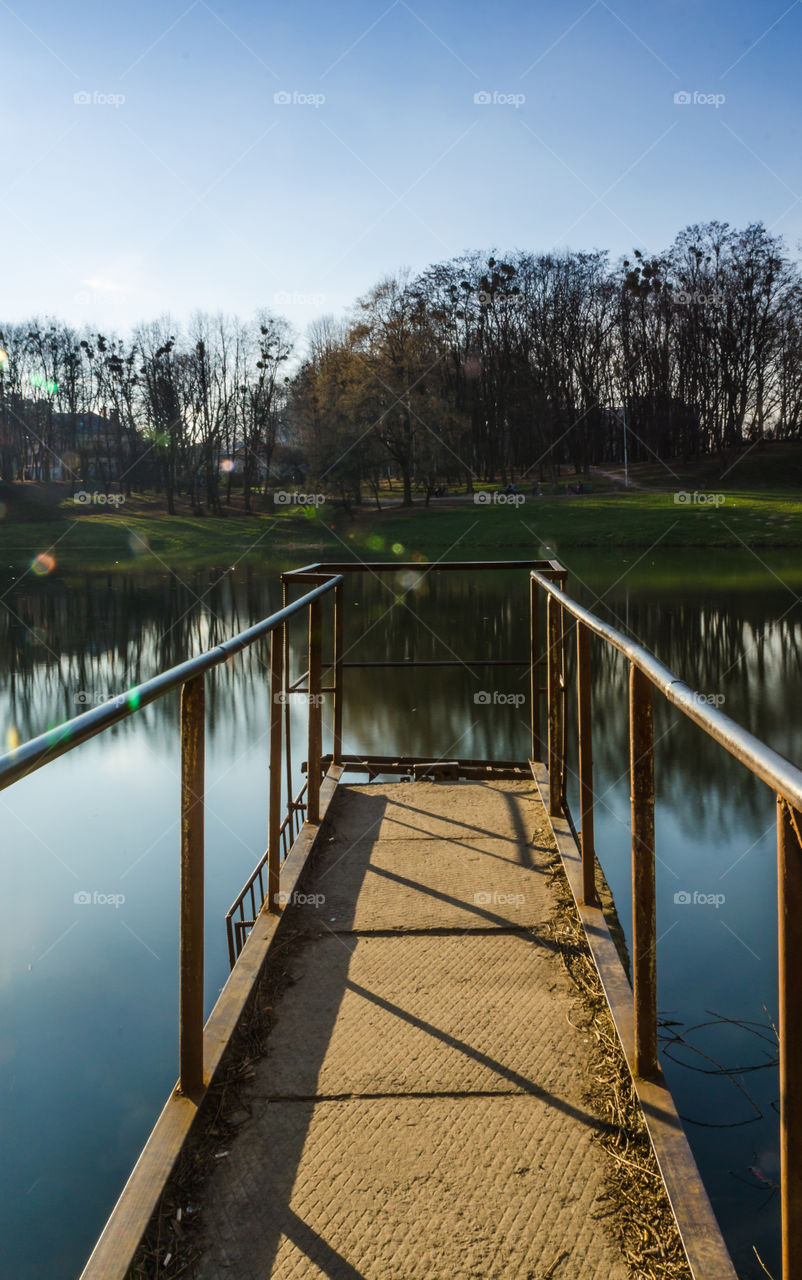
<point x="40" y="444"/>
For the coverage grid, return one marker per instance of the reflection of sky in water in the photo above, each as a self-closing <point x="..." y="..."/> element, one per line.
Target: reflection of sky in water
<point x="89" y="989"/>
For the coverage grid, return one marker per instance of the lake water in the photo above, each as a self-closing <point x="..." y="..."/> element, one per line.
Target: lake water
<point x="88" y="1041"/>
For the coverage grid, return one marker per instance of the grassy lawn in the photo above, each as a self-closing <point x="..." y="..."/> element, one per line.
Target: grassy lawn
<point x="635" y="519"/>
<point x="124" y="538"/>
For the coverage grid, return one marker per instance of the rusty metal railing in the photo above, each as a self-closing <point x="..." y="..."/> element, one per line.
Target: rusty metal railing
<point x="189" y="677"/>
<point x="647" y="673"/>
<point x="550" y="569"/>
<point x="303" y="813"/>
<point x="246" y="906"/>
<point x="241" y="915"/>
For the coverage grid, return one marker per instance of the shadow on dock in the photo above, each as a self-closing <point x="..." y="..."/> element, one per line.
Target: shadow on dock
<point x="420" y="1108"/>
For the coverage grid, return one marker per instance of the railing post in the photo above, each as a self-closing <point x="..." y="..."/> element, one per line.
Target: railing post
<point x="277" y="697"/>
<point x="585" y="729"/>
<point x="190" y="1031"/>
<point x="555" y="701"/>
<point x="563" y="707"/>
<point x="339" y="602"/>
<point x="534" y="670"/>
<point x="285" y="600"/>
<point x="789" y="915"/>
<point x="315" y="713"/>
<point x="644" y="906"/>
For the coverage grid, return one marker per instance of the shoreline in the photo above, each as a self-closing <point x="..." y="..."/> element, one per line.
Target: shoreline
<point x="129" y="539"/>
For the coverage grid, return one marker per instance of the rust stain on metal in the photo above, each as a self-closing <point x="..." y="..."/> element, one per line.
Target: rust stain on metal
<point x="789" y="914"/>
<point x="190" y="1052"/>
<point x="644" y="904"/>
<point x="585" y="745"/>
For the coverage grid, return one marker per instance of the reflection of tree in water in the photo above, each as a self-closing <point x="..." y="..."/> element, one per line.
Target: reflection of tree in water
<point x="748" y="649"/>
<point x="103" y="633"/>
<point x="427" y="617"/>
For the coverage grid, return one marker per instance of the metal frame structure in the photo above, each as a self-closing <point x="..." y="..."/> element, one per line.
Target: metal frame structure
<point x="647" y="674"/>
<point x="292" y="836"/>
<point x="245" y="908"/>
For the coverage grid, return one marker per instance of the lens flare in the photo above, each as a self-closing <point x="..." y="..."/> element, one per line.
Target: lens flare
<point x="58" y="733"/>
<point x="375" y="543"/>
<point x="43" y="564"/>
<point x="398" y="548"/>
<point x="50" y="387"/>
<point x="12" y="738"/>
<point x="228" y="464"/>
<point x="138" y="544"/>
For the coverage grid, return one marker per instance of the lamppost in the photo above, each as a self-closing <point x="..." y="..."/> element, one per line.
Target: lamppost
<point x="622" y="417"/>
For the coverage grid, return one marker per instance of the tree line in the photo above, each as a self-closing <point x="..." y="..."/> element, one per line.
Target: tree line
<point x="182" y="415"/>
<point x="478" y="369"/>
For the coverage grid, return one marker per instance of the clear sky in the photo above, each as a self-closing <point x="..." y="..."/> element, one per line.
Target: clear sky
<point x="174" y="180"/>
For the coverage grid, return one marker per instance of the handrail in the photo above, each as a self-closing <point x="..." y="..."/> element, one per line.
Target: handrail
<point x="645" y="673"/>
<point x="423" y="566"/>
<point x="772" y="768"/>
<point x="308" y="808"/>
<point x="38" y="751"/>
<point x="236" y="924"/>
<point x="189" y="677"/>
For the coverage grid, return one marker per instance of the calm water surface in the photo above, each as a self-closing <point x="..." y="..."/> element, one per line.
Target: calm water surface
<point x="89" y="990"/>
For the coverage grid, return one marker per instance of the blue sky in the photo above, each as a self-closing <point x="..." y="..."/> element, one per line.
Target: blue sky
<point x="181" y="183"/>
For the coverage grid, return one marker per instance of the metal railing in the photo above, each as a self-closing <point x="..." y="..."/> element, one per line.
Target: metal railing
<point x="242" y="913"/>
<point x="189" y="677"/>
<point x="547" y="667"/>
<point x="287" y="813"/>
<point x="646" y="674"/>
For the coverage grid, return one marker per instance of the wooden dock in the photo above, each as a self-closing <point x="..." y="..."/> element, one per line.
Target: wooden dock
<point x="421" y="1108"/>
